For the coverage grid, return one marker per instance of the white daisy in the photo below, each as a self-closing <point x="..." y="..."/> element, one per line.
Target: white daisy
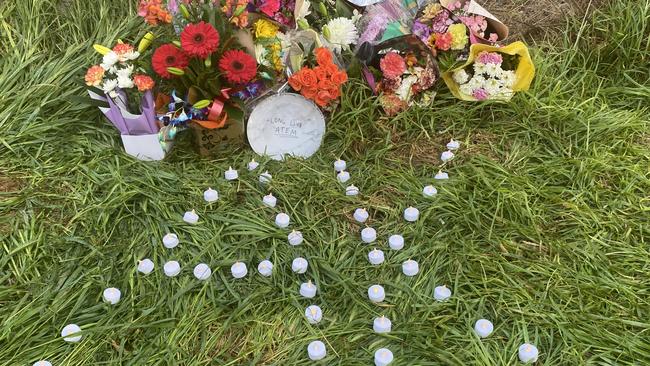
<point x="461" y="76"/>
<point x="477" y="82"/>
<point x="508" y="78"/>
<point x="109" y="60"/>
<point x="340" y="33"/>
<point x="480" y="68"/>
<point x="492" y="86"/>
<point x="493" y="70"/>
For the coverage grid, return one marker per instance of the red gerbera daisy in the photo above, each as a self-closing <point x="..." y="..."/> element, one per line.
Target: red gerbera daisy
<point x="238" y="66"/>
<point x="200" y="39"/>
<point x="166" y="56"/>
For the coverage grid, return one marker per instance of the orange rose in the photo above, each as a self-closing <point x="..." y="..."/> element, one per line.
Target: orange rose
<point x="309" y="93"/>
<point x="308" y="77"/>
<point x="340" y="77"/>
<point x="323" y="98"/>
<point x="331" y="69"/>
<point x="323" y="56"/>
<point x="335" y="93"/>
<point x="321" y="73"/>
<point x="295" y="81"/>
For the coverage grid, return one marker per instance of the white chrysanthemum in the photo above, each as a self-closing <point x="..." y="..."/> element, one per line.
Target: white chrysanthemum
<point x="109" y="60"/>
<point x="285" y="41"/>
<point x="480" y="68"/>
<point x="109" y="86"/>
<point x="125" y="82"/>
<point x="124" y="72"/>
<point x="461" y="76"/>
<point x="508" y="78"/>
<point x="476" y="82"/>
<point x="493" y="70"/>
<point x="260" y="55"/>
<point x="492" y="86"/>
<point x="303" y="11"/>
<point x="466" y="89"/>
<point x="340" y="33"/>
<point x="404" y="90"/>
<point x="131" y="55"/>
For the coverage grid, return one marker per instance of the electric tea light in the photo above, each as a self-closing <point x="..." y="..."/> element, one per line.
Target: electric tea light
<point x="410" y="268"/>
<point x="210" y="195"/>
<point x="270" y="200"/>
<point x="368" y="235"/>
<point x="343" y="176"/>
<point x="308" y="290"/>
<point x="446" y="156"/>
<point x="396" y="242"/>
<point x="453" y="145"/>
<point x="528" y="353"/>
<point x="145" y="266"/>
<point x="265" y="177"/>
<point x="429" y="191"/>
<point x="441" y="293"/>
<point x="295" y="238"/>
<point x="172" y="269"/>
<point x="441" y="175"/>
<point x="411" y="214"/>
<point x="238" y="270"/>
<point x="282" y="220"/>
<point x="265" y="268"/>
<point x="382" y="325"/>
<point x="361" y="215"/>
<point x="42" y="363"/>
<point x="376" y="293"/>
<point x="252" y="165"/>
<point x="376" y="257"/>
<point x="383" y="357"/>
<point x="316" y="350"/>
<point x="340" y="165"/>
<point x="68" y="333"/>
<point x="231" y="174"/>
<point x="314" y="314"/>
<point x="483" y="328"/>
<point x="299" y="265"/>
<point x="170" y="241"/>
<point x="202" y="272"/>
<point x="112" y="295"/>
<point x="351" y="191"/>
<point x="191" y="217"/>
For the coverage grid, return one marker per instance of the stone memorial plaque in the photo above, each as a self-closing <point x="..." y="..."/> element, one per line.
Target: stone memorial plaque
<point x="286" y="124"/>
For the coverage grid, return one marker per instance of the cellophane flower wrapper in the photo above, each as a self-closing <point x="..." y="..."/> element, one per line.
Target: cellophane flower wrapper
<point x="473" y="9"/>
<point x="386" y="20"/>
<point x="127" y="123"/>
<point x="524" y="70"/>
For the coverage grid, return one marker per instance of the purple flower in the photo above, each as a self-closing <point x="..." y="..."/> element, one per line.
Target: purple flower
<point x="422" y="31"/>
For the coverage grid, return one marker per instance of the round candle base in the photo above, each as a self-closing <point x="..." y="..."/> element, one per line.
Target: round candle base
<point x="42" y="363"/>
<point x="314" y="314"/>
<point x="202" y="272"/>
<point x="483" y="328"/>
<point x="112" y="295"/>
<point x="265" y="268"/>
<point x="172" y="268"/>
<point x="376" y="293"/>
<point x="316" y="350"/>
<point x="396" y="242"/>
<point x="69" y="330"/>
<point x="145" y="266"/>
<point x="299" y="265"/>
<point x="239" y="270"/>
<point x="383" y="357"/>
<point x="441" y="293"/>
<point x="528" y="353"/>
<point x="382" y="325"/>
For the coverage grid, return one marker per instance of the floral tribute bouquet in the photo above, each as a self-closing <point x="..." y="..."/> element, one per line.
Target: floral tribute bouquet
<point x="124" y="90"/>
<point x="322" y="83"/>
<point x="491" y="72"/>
<point x="208" y="69"/>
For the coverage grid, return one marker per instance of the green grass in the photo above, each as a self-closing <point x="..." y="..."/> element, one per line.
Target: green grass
<point x="544" y="227"/>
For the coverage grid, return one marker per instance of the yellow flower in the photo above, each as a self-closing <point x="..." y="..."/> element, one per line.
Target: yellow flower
<point x="265" y="29"/>
<point x="430" y="11"/>
<point x="458" y="36"/>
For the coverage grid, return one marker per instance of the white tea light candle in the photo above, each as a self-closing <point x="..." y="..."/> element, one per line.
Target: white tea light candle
<point x="396" y="242"/>
<point x="265" y="268"/>
<point x="368" y="235"/>
<point x="42" y="363"/>
<point x="145" y="266"/>
<point x="441" y="175"/>
<point x="361" y="215"/>
<point x="382" y="325"/>
<point x="191" y="217"/>
<point x="446" y="156"/>
<point x="231" y="174"/>
<point x="483" y="328"/>
<point x="265" y="177"/>
<point x="376" y="293"/>
<point x="202" y="272"/>
<point x="282" y="220"/>
<point x="295" y="238"/>
<point x="210" y="195"/>
<point x="411" y="214"/>
<point x="340" y="165"/>
<point x="376" y="257"/>
<point x="308" y="290"/>
<point x="383" y="357"/>
<point x="429" y="191"/>
<point x="270" y="200"/>
<point x="252" y="165"/>
<point x="316" y="350"/>
<point x="528" y="353"/>
<point x="170" y="241"/>
<point x="172" y="268"/>
<point x="351" y="191"/>
<point x="299" y="265"/>
<point x="410" y="268"/>
<point x="343" y="176"/>
<point x="69" y="333"/>
<point x="314" y="314"/>
<point x="112" y="295"/>
<point x="239" y="270"/>
<point x="453" y="145"/>
<point x="441" y="293"/>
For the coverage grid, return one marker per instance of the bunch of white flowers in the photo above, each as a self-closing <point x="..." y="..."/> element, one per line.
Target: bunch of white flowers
<point x="489" y="81"/>
<point x="118" y="69"/>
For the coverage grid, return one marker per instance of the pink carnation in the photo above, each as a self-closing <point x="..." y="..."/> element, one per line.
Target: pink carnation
<point x="392" y="65"/>
<point x="480" y="94"/>
<point x="490" y="58"/>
